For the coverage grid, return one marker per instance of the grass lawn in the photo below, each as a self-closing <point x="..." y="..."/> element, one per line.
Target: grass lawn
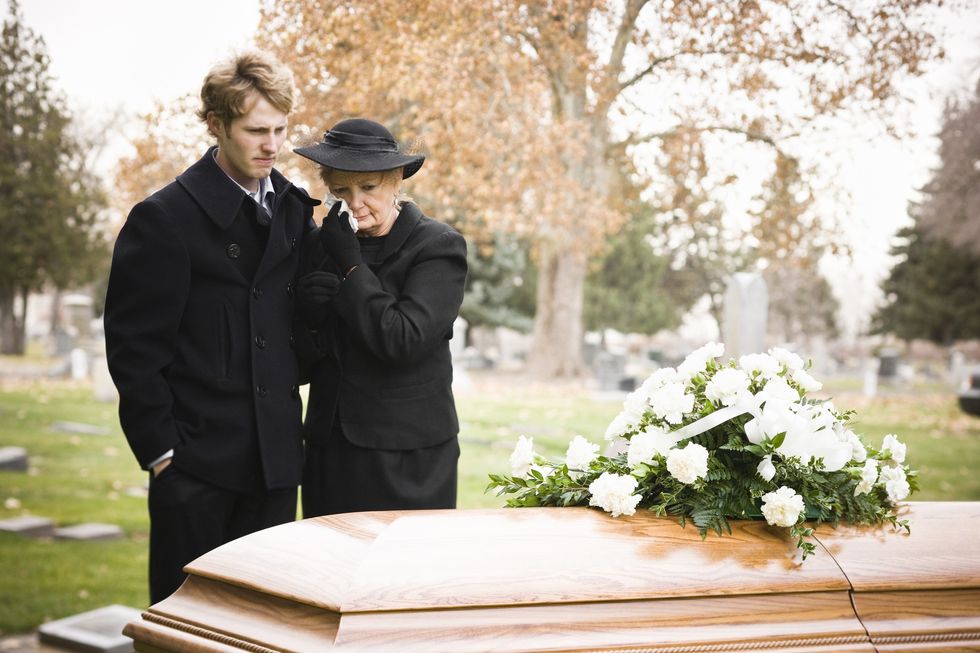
<point x="76" y="478"/>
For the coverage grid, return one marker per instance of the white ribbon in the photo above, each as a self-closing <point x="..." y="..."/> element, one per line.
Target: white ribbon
<point x="709" y="422"/>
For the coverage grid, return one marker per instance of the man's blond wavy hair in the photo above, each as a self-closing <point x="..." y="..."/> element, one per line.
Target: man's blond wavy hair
<point x="229" y="85"/>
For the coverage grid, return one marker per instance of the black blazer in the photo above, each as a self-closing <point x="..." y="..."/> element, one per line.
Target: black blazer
<point x="199" y="348"/>
<point x="381" y="362"/>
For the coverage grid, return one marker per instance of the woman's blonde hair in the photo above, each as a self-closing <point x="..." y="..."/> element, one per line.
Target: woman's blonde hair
<point x="229" y="84"/>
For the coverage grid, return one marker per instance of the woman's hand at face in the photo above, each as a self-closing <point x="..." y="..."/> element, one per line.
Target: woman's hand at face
<point x="338" y="240"/>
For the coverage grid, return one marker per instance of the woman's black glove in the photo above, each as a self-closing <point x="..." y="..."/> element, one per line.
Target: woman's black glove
<point x="313" y="292"/>
<point x="338" y="240"/>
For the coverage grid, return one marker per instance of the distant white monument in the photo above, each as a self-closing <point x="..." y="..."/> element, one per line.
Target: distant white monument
<point x="746" y="314"/>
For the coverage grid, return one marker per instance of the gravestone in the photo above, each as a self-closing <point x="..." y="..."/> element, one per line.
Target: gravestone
<point x="81" y="428"/>
<point x="89" y="531"/>
<point x="28" y="526"/>
<point x="457" y="345"/>
<point x="746" y="315"/>
<point x="98" y="631"/>
<point x="13" y="459"/>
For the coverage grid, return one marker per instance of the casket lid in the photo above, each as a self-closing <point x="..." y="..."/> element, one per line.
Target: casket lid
<point x="411" y="560"/>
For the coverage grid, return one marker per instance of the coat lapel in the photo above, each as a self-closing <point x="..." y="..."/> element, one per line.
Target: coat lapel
<point x="408" y="217"/>
<point x="217" y="195"/>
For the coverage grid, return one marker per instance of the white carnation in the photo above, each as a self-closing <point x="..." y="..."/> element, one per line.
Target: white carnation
<point x="647" y="444"/>
<point x="895" y="482"/>
<point x="636" y="404"/>
<point x="522" y="457"/>
<point x="671" y="402"/>
<point x="614" y="494"/>
<point x="782" y="507"/>
<point x="787" y="358"/>
<point x="698" y="359"/>
<point x="869" y="476"/>
<point x="659" y="379"/>
<point x="727" y="385"/>
<point x="620" y="425"/>
<point x="764" y="364"/>
<point x="779" y="390"/>
<point x="858" y="453"/>
<point x="580" y="453"/>
<point x="892" y="448"/>
<point x="766" y="469"/>
<point x="688" y="464"/>
<point x="806" y="381"/>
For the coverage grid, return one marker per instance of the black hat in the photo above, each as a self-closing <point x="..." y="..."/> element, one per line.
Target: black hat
<point x="361" y="145"/>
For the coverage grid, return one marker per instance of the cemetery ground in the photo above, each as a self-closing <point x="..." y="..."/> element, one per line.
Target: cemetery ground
<point x="81" y="470"/>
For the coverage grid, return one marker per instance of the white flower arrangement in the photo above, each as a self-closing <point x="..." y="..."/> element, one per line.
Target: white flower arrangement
<point x="711" y="442"/>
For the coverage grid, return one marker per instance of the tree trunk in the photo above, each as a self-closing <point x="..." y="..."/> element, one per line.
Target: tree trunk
<point x="11" y="325"/>
<point x="556" y="348"/>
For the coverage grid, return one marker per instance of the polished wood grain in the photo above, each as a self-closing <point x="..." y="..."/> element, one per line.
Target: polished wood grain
<point x="940" y="552"/>
<point x="575" y="580"/>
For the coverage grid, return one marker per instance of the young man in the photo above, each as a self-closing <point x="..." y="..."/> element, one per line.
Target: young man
<point x="197" y="325"/>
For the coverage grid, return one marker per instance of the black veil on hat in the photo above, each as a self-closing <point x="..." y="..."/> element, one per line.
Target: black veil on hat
<point x="361" y="145"/>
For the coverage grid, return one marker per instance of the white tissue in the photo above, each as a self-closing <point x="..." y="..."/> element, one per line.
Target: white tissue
<point x="350" y="215"/>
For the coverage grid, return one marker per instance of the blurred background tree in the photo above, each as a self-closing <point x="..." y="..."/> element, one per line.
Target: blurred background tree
<point x="933" y="292"/>
<point x="49" y="200"/>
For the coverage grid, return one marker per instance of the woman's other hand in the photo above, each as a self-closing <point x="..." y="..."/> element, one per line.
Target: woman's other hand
<point x="313" y="292"/>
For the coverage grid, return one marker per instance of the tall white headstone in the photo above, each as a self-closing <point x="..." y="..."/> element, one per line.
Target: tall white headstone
<point x="745" y="315"/>
<point x="461" y="378"/>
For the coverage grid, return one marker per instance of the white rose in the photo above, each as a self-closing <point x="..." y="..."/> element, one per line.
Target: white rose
<point x="869" y="476"/>
<point x="614" y="494"/>
<point x="782" y="507"/>
<point x="580" y="453"/>
<point x="522" y="457"/>
<point x="646" y="444"/>
<point x="764" y="364"/>
<point x="727" y="385"/>
<point x="774" y="418"/>
<point x="896" y="485"/>
<point x="671" y="402"/>
<point x="766" y="469"/>
<point x="688" y="464"/>
<point x="787" y="358"/>
<point x="806" y="381"/>
<point x="892" y="448"/>
<point x="697" y="360"/>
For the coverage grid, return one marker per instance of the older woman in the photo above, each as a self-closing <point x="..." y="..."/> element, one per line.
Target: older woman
<point x="379" y="288"/>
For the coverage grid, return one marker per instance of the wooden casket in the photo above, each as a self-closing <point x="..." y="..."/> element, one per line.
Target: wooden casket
<point x="576" y="579"/>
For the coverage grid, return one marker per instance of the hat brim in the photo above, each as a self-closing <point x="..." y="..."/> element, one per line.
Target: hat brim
<point x="355" y="161"/>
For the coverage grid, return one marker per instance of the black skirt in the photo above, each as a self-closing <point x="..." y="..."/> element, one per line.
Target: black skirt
<point x="341" y="477"/>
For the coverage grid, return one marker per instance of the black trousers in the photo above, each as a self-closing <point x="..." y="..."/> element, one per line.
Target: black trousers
<point x="189" y="517"/>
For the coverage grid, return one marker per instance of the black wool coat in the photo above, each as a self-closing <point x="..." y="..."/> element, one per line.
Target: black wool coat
<point x="380" y="364"/>
<point x="198" y="325"/>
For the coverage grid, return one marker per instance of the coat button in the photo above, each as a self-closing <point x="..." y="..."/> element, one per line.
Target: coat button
<point x="233" y="250"/>
<point x="256" y="293"/>
<point x="294" y="391"/>
<point x="260" y="342"/>
<point x="261" y="390"/>
<point x="292" y="341"/>
<point x="289" y="288"/>
<point x="292" y="243"/>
